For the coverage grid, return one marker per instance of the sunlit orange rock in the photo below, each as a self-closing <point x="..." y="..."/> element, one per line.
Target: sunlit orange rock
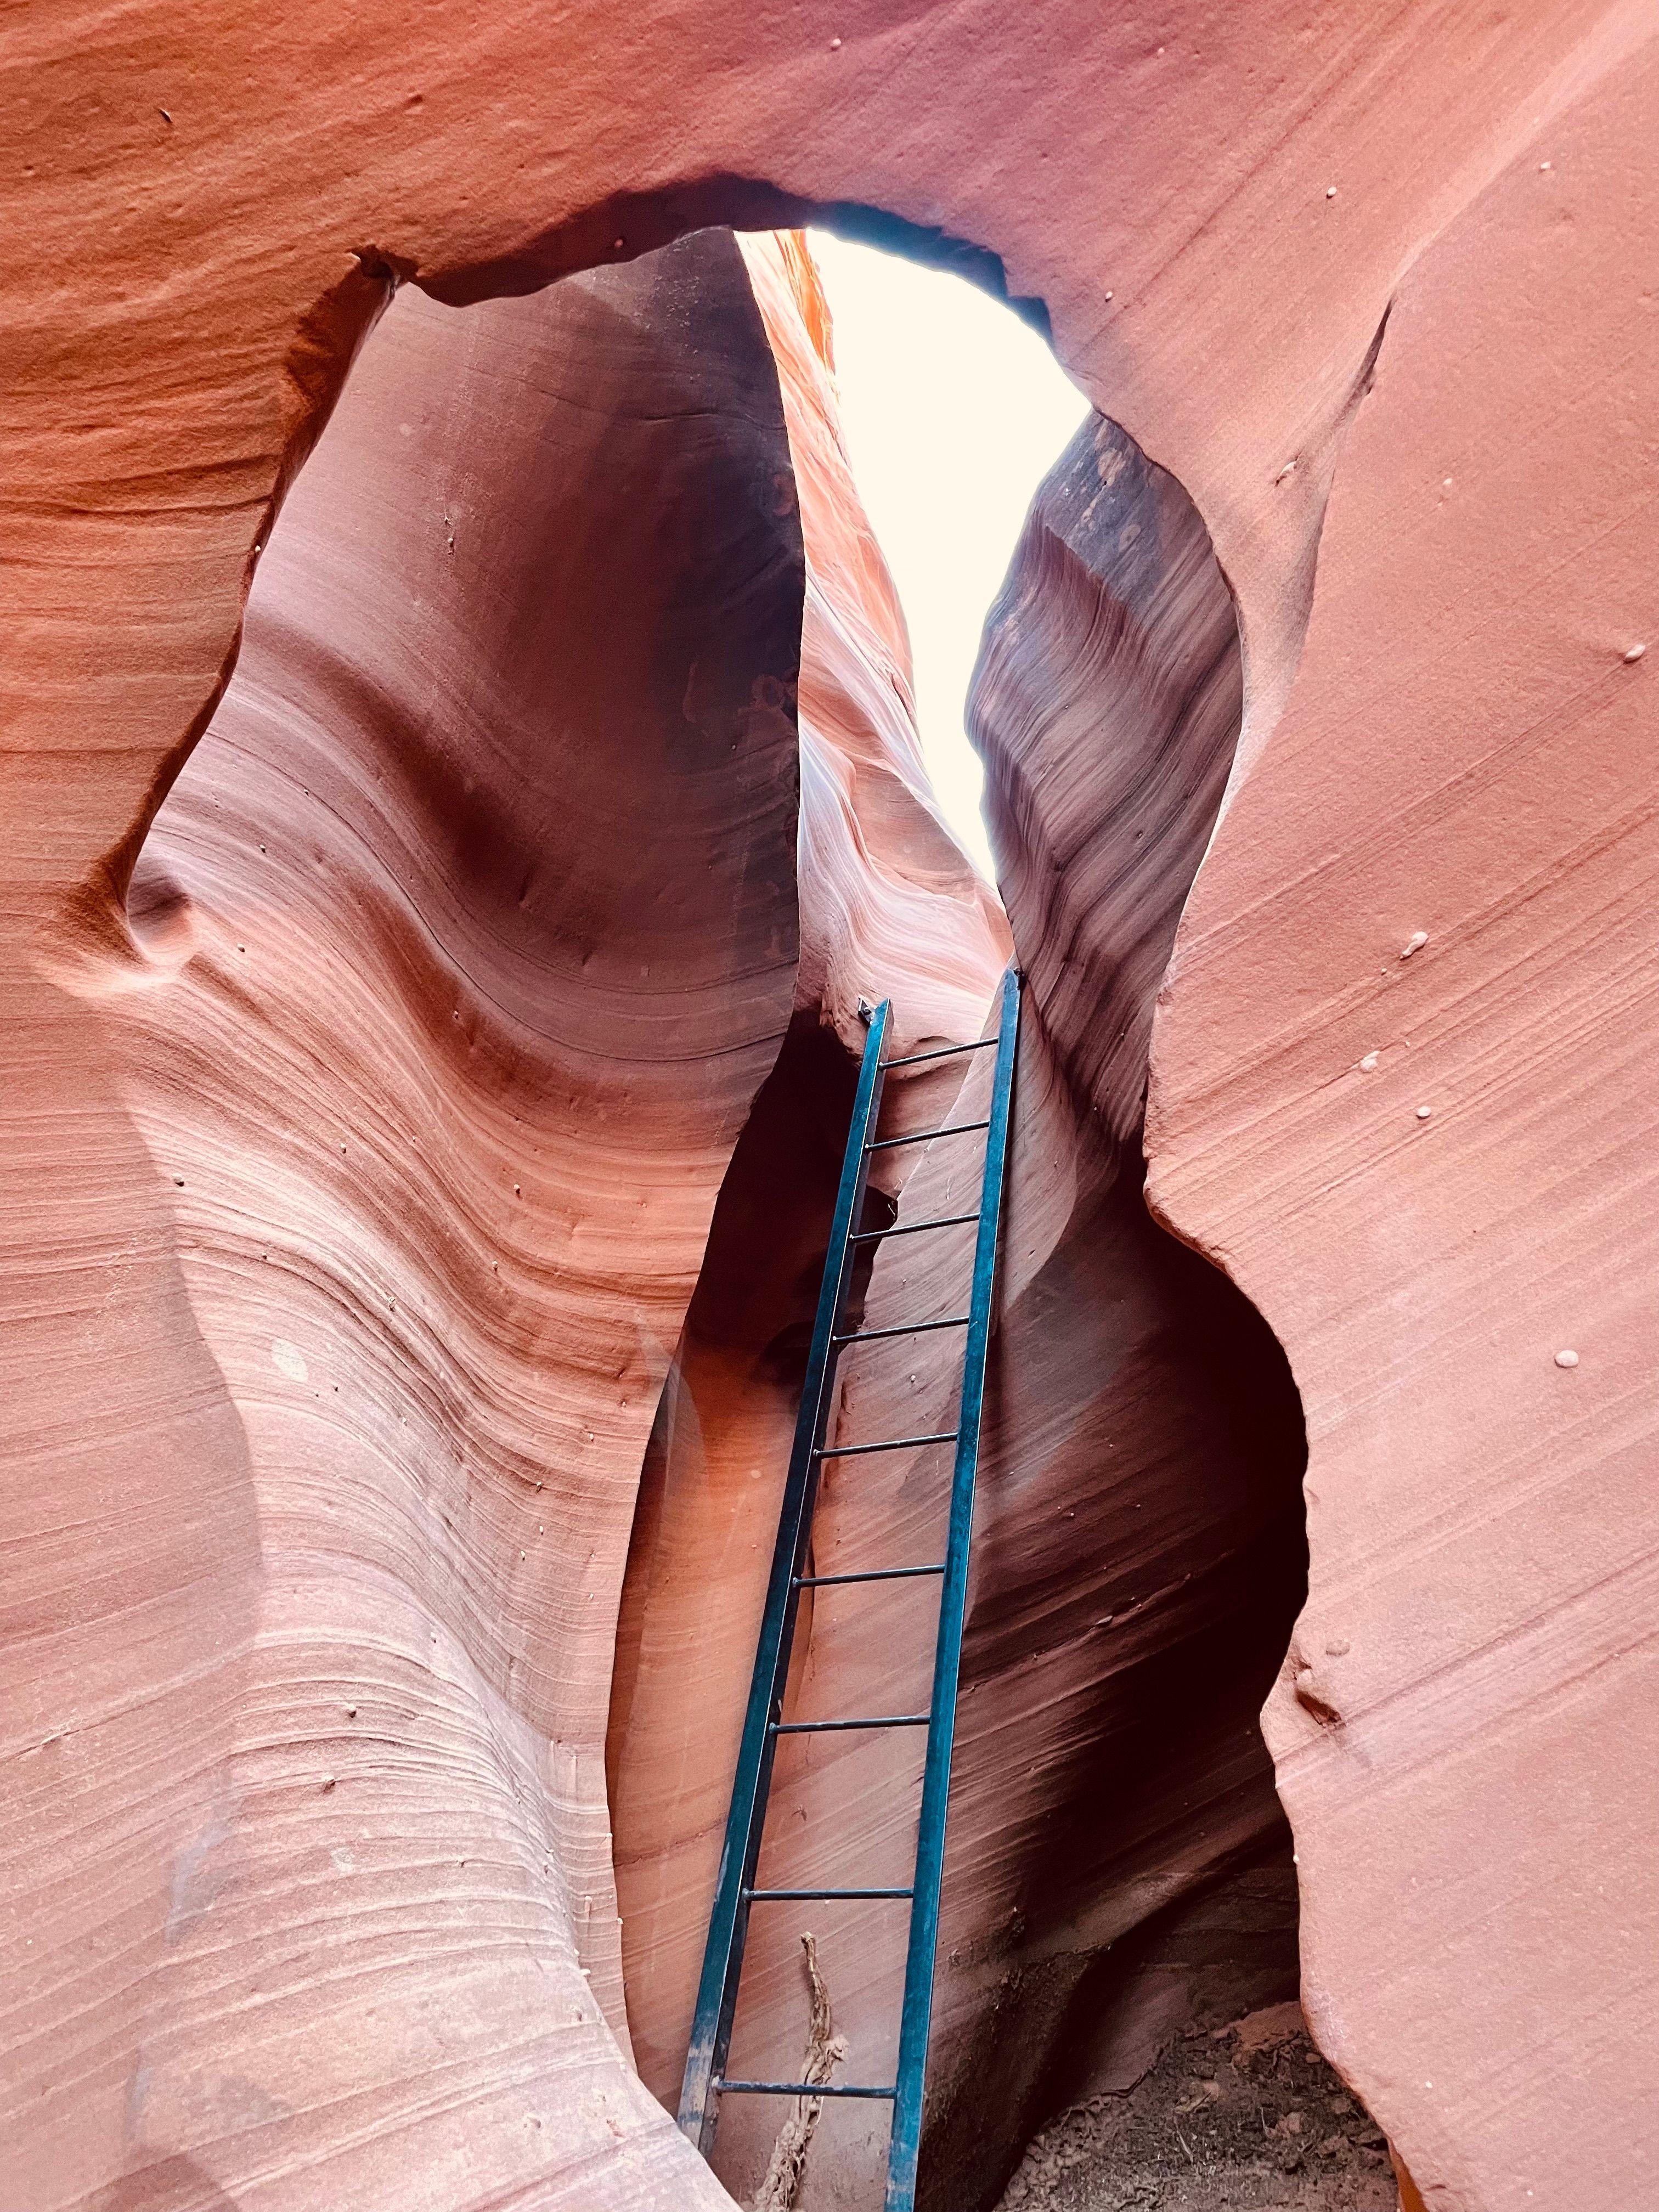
<point x="891" y="906"/>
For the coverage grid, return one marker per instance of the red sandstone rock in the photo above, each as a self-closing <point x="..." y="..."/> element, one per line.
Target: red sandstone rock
<point x="1465" y="1726"/>
<point x="1218" y="214"/>
<point x="891" y="906"/>
<point x="466" y="939"/>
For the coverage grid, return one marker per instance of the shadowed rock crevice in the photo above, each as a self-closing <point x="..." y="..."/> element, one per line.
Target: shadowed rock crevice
<point x="629" y="224"/>
<point x="703" y="1530"/>
<point x="1118" y="1866"/>
<point x="1141" y="1554"/>
<point x="889" y="907"/>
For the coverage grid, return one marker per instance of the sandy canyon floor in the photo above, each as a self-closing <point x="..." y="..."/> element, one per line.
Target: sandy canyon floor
<point x="1243" y="2118"/>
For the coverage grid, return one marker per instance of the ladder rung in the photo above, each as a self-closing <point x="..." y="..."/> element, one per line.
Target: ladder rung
<point x="772" y="1896"/>
<point x="944" y="1052"/>
<point x="923" y="1136"/>
<point x="910" y="1228"/>
<point x="705" y="2080"/>
<point x="893" y="1444"/>
<point x="904" y="1329"/>
<point x="869" y="1575"/>
<point x="797" y="2089"/>
<point x="880" y="1720"/>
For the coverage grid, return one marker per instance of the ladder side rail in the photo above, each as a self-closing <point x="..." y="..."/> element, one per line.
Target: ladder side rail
<point x="717" y="1988"/>
<point x="916" y="2021"/>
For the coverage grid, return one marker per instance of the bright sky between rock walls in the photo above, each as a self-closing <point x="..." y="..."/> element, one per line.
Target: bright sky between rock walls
<point x="953" y="411"/>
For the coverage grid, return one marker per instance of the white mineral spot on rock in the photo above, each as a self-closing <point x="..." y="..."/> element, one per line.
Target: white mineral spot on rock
<point x="1414" y="943"/>
<point x="1368" y="1065"/>
<point x="1634" y="652"/>
<point x="1424" y="1112"/>
<point x="1566" y="1359"/>
<point x="287" y="1359"/>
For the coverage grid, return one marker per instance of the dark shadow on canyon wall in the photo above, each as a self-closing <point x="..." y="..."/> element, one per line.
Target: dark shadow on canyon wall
<point x="703" y="1529"/>
<point x="1141" y="1550"/>
<point x="1117" y="1862"/>
<point x="707" y="1517"/>
<point x="628" y="225"/>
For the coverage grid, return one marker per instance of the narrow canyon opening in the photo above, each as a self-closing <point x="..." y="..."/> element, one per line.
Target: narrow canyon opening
<point x="566" y="803"/>
<point x="1118" y="1870"/>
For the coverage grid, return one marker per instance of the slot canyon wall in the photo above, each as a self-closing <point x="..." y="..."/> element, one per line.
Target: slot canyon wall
<point x="463" y="941"/>
<point x="1374" y="293"/>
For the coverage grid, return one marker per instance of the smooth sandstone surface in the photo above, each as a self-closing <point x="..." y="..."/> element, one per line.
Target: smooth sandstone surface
<point x="466" y="939"/>
<point x="1465" y="1729"/>
<point x="202" y="218"/>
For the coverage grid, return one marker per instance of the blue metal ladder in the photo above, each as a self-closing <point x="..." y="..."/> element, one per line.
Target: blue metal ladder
<point x="705" y="2080"/>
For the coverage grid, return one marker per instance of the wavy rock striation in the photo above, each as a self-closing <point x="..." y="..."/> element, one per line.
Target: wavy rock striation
<point x="1402" y="1088"/>
<point x="891" y="906"/>
<point x="1454" y="351"/>
<point x="468" y="935"/>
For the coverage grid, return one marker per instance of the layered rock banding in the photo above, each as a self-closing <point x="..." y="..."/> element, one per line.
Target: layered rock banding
<point x="465" y="940"/>
<point x="205" y="220"/>
<point x="889" y="904"/>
